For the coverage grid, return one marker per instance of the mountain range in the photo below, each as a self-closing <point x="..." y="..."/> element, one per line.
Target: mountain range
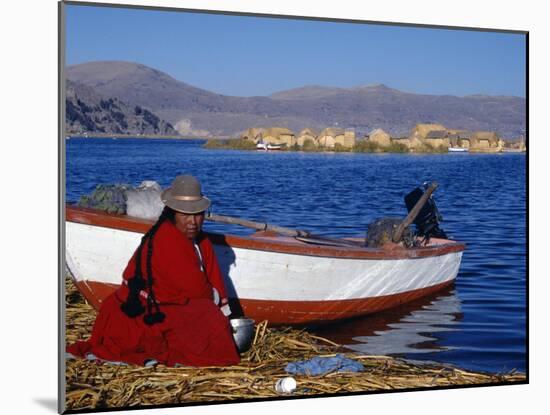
<point x="197" y="112"/>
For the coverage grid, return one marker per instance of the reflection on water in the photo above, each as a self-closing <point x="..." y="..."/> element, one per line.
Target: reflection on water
<point x="407" y="330"/>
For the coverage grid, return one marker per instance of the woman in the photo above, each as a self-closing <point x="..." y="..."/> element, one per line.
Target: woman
<point x="164" y="309"/>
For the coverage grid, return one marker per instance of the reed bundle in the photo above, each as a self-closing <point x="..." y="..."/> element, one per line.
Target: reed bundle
<point x="95" y="385"/>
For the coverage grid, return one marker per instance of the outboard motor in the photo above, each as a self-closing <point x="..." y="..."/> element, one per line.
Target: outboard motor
<point x="427" y="221"/>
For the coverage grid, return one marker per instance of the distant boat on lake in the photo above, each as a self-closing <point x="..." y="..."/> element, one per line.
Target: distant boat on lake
<point x="265" y="147"/>
<point x="457" y="150"/>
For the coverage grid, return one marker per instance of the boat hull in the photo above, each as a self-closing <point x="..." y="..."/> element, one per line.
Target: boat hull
<point x="298" y="313"/>
<point x="269" y="277"/>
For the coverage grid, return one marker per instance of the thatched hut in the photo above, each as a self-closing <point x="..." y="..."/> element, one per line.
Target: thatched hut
<point x="379" y="137"/>
<point x="437" y="138"/>
<point x="485" y="139"/>
<point x="327" y="138"/>
<point x="406" y="141"/>
<point x="253" y="134"/>
<point x="421" y="131"/>
<point x="453" y="139"/>
<point x="306" y="134"/>
<point x="348" y="140"/>
<point x="460" y="138"/>
<point x="279" y="135"/>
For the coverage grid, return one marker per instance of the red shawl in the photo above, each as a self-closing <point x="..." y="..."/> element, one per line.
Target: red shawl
<point x="195" y="332"/>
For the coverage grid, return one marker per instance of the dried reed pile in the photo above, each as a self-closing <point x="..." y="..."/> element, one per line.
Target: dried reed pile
<point x="94" y="385"/>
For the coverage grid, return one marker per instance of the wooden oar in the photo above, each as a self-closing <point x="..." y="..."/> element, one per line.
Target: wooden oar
<point x="413" y="213"/>
<point x="256" y="225"/>
<point x="301" y="235"/>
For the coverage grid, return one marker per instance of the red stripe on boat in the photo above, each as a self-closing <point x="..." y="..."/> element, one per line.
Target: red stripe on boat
<point x="290" y="312"/>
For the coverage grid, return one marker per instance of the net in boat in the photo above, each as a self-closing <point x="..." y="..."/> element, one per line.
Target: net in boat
<point x="142" y="201"/>
<point x="381" y="232"/>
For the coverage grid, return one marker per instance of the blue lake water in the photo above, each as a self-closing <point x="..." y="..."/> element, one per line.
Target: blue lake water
<point x="478" y="324"/>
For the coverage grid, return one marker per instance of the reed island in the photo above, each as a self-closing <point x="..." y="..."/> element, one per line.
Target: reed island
<point x="423" y="138"/>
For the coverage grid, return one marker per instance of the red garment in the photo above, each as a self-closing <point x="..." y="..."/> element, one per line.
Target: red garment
<point x="194" y="332"/>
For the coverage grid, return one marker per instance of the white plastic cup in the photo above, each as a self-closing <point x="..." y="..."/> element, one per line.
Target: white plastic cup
<point x="285" y="385"/>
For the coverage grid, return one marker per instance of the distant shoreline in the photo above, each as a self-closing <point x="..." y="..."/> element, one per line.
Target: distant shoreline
<point x="134" y="136"/>
<point x="231" y="143"/>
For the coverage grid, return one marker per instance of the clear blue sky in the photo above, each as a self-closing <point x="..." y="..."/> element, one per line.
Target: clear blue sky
<point x="247" y="56"/>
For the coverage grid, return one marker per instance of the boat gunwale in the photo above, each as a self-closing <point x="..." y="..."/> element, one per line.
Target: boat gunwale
<point x="99" y="218"/>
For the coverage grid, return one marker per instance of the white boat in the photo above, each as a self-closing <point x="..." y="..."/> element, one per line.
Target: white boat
<point x="457" y="150"/>
<point x="269" y="276"/>
<point x="265" y="147"/>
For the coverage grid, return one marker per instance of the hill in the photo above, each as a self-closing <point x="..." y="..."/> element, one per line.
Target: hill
<point x="88" y="111"/>
<point x="192" y="110"/>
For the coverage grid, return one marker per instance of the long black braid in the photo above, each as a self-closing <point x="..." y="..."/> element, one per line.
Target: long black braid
<point x="132" y="307"/>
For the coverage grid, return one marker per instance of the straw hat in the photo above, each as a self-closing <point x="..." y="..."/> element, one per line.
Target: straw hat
<point x="185" y="195"/>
